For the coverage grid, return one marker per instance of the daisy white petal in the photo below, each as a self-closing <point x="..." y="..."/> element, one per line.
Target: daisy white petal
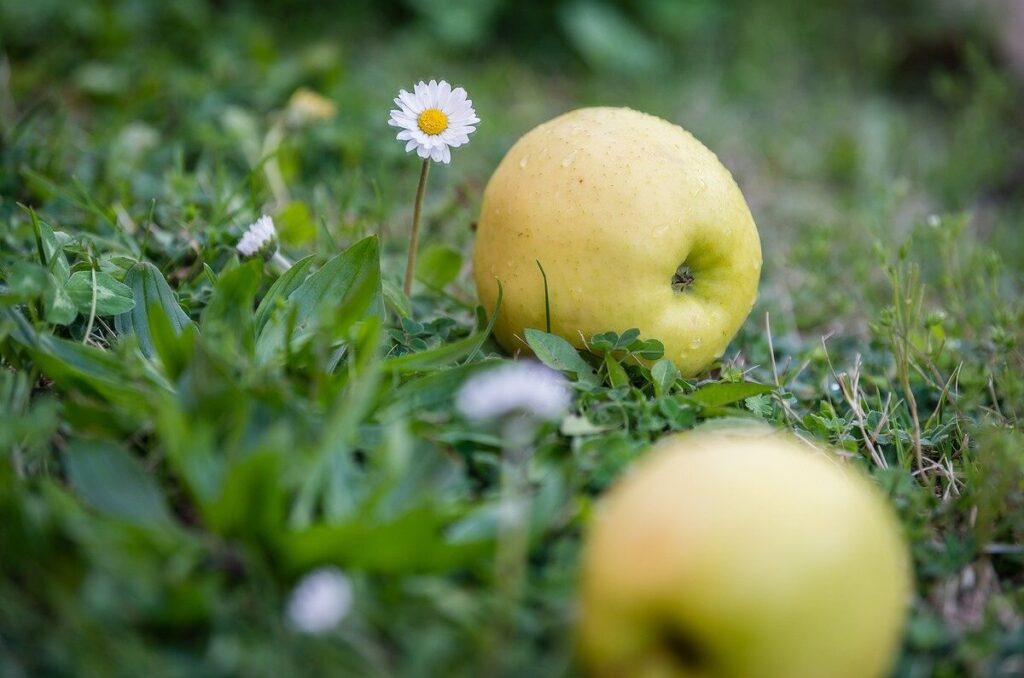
<point x="446" y="95"/>
<point x="412" y="102"/>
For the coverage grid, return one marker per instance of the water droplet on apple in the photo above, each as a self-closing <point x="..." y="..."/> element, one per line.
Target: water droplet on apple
<point x="522" y="163"/>
<point x="567" y="160"/>
<point x="695" y="344"/>
<point x="660" y="231"/>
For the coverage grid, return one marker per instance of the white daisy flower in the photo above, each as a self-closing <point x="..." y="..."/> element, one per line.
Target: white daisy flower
<point x="260" y="238"/>
<point x="319" y="601"/>
<point x="434" y="119"/>
<point x="525" y="386"/>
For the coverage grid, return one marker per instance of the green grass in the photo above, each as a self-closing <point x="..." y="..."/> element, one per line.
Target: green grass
<point x="168" y="474"/>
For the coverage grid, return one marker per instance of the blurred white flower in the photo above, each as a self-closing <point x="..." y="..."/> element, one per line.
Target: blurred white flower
<point x="260" y="238"/>
<point x="520" y="387"/>
<point x="319" y="601"/>
<point x="433" y="119"/>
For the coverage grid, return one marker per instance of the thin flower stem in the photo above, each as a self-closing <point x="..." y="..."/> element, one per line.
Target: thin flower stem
<point x="414" y="238"/>
<point x="271" y="167"/>
<point x="513" y="532"/>
<point x="92" y="307"/>
<point x="280" y="262"/>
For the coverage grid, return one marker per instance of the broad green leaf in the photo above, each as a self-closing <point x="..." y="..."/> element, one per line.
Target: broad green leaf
<point x="56" y="261"/>
<point x="336" y="476"/>
<point x="664" y="375"/>
<point x="725" y="393"/>
<point x="281" y="289"/>
<point x="559" y="354"/>
<point x="344" y="290"/>
<point x="25" y="280"/>
<point x="112" y="297"/>
<point x="616" y="373"/>
<point x="250" y="502"/>
<point x="59" y="356"/>
<point x="149" y="289"/>
<point x="60" y="307"/>
<point x="605" y="341"/>
<point x="395" y="299"/>
<point x="123" y="382"/>
<point x="434" y="390"/>
<point x="173" y="348"/>
<point x="413" y="542"/>
<point x="438" y="265"/>
<point x="648" y="349"/>
<point x="110" y="480"/>
<point x="627" y="338"/>
<point x="437" y="357"/>
<point x="228" y="317"/>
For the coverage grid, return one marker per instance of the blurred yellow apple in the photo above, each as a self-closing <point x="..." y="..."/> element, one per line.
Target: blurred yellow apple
<point x="743" y="553"/>
<point x="636" y="223"/>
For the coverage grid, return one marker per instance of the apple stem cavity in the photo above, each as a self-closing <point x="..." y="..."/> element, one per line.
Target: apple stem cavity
<point x="683" y="648"/>
<point x="683" y="278"/>
<point x="414" y="236"/>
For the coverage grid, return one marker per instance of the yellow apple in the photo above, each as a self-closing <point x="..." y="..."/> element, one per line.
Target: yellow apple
<point x="743" y="553"/>
<point x="636" y="223"/>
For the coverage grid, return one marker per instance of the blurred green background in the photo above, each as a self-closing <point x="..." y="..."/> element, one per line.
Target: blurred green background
<point x="866" y="136"/>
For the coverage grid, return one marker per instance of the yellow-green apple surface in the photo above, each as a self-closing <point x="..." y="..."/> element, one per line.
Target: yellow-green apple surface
<point x="742" y="553"/>
<point x="636" y="224"/>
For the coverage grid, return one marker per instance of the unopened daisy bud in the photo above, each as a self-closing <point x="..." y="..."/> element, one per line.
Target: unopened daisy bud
<point x="319" y="601"/>
<point x="260" y="239"/>
<point x="523" y="387"/>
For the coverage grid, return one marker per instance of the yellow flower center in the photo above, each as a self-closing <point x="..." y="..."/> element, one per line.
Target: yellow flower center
<point x="432" y="121"/>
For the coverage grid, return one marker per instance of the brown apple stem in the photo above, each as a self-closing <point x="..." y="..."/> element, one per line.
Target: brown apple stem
<point x="683" y="278"/>
<point x="414" y="237"/>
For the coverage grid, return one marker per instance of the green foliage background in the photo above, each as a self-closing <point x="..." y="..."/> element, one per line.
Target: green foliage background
<point x="184" y="434"/>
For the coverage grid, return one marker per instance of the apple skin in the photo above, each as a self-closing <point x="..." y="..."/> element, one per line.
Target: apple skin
<point x="742" y="553"/>
<point x="611" y="201"/>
